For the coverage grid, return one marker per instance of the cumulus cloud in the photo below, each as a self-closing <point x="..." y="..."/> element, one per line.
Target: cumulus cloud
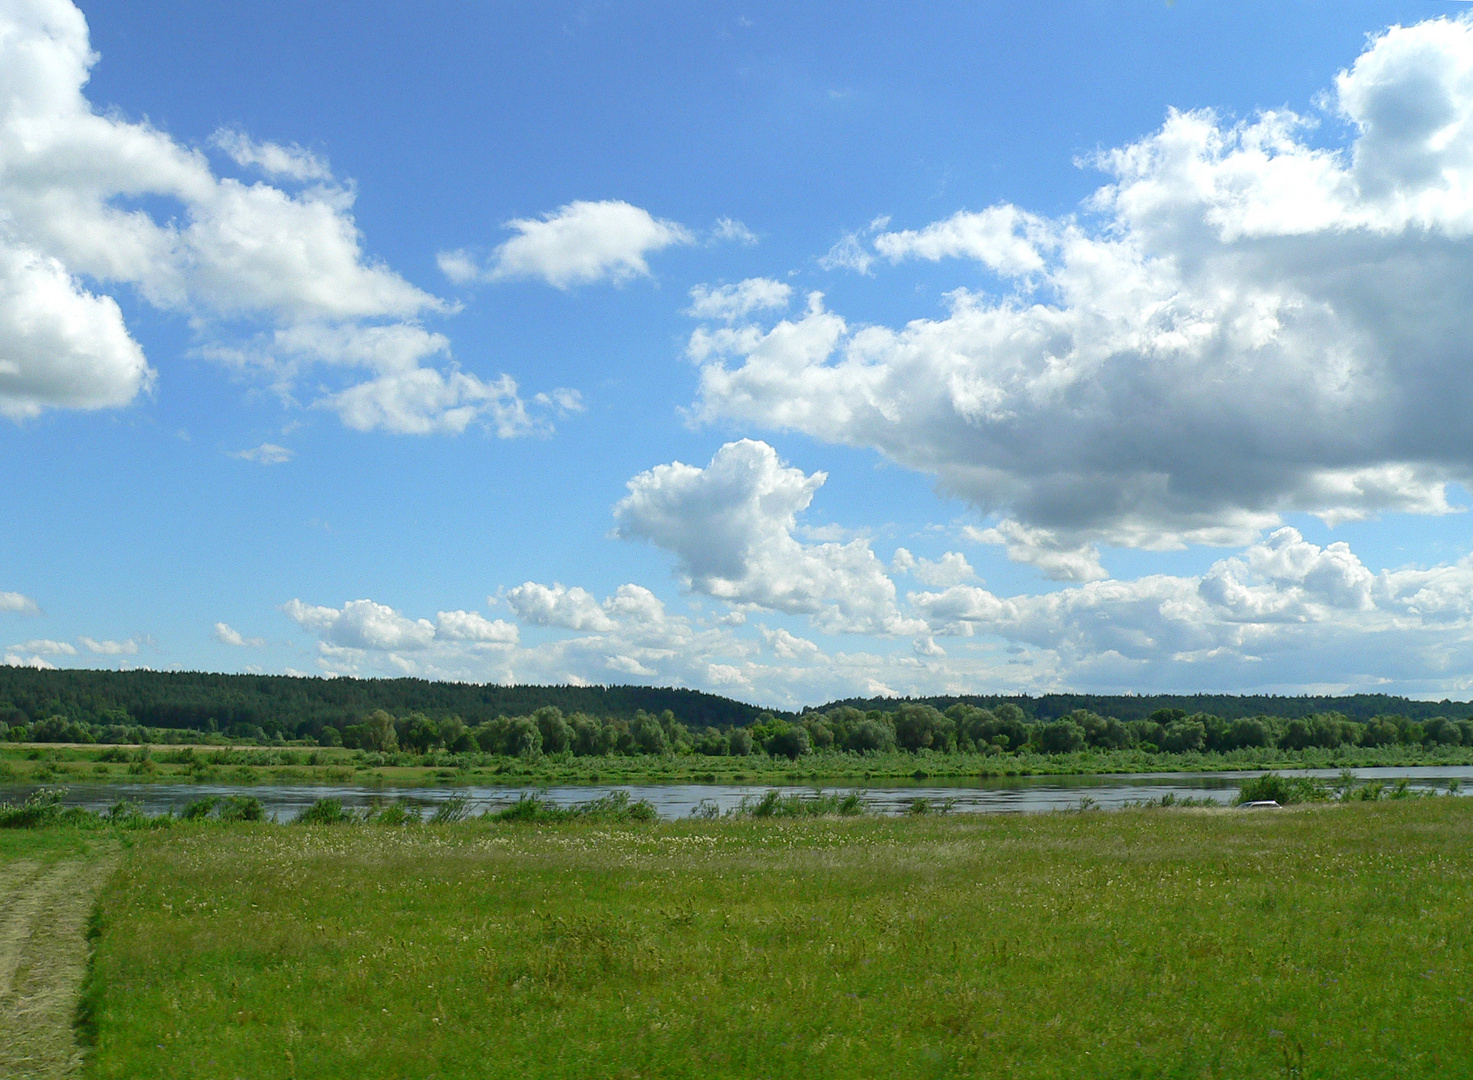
<point x="730" y="302"/>
<point x="473" y="627"/>
<point x="226" y="635"/>
<point x="47" y="647"/>
<point x="555" y="605"/>
<point x="730" y="526"/>
<point x="1058" y="559"/>
<point x="37" y="662"/>
<point x="1005" y="239"/>
<point x="362" y="624"/>
<point x="60" y="345"/>
<point x="1283" y="613"/>
<point x="271" y="273"/>
<point x="273" y="159"/>
<point x="265" y="454"/>
<point x="109" y="648"/>
<point x="1245" y="323"/>
<point x="730" y="230"/>
<point x="951" y="569"/>
<point x="14" y="601"/>
<point x="581" y="243"/>
<point x="426" y="401"/>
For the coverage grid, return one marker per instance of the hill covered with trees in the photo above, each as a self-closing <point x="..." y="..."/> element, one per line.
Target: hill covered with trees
<point x="1047" y="707"/>
<point x="300" y="707"/>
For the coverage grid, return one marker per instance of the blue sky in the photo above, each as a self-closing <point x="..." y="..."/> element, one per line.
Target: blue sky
<point x="784" y="354"/>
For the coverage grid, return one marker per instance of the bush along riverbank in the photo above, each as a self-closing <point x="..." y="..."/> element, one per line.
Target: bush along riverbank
<point x="70" y="764"/>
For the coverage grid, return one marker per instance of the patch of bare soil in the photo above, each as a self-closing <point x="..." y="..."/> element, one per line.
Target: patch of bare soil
<point x="44" y="909"/>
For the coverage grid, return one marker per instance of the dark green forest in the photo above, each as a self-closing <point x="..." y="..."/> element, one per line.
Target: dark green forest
<point x="414" y="715"/>
<point x="252" y="706"/>
<point x="1361" y="707"/>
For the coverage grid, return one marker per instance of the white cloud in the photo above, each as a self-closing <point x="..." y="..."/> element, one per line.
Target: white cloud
<point x="730" y="526"/>
<point x="59" y="344"/>
<point x="425" y="401"/>
<point x="1059" y="560"/>
<point x="1283" y="615"/>
<point x="730" y="230"/>
<point x="275" y="160"/>
<point x="1005" y="239"/>
<point x="47" y="647"/>
<point x="37" y="662"/>
<point x="571" y="609"/>
<point x="1286" y="613"/>
<point x="14" y="601"/>
<point x="848" y="253"/>
<point x="274" y="281"/>
<point x="472" y="626"/>
<point x="265" y="454"/>
<point x="362" y="625"/>
<point x="110" y="648"/>
<point x="578" y="244"/>
<point x="1246" y="324"/>
<point x="226" y="635"/>
<point x="951" y="569"/>
<point x="788" y="646"/>
<point x="737" y="301"/>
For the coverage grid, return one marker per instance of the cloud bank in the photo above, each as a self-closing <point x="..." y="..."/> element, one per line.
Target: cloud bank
<point x="1240" y="324"/>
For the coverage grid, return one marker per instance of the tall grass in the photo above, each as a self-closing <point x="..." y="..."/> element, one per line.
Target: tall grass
<point x="1131" y="944"/>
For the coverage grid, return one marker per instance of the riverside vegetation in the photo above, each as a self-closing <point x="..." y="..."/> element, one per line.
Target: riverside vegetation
<point x="908" y="741"/>
<point x="1330" y="940"/>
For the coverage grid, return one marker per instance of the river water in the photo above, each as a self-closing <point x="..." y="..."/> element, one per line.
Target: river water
<point x="993" y="795"/>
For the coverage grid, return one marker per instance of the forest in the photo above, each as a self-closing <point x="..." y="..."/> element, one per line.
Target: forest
<point x="416" y="716"/>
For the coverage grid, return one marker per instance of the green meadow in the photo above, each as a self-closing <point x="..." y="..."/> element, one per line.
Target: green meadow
<point x="1322" y="941"/>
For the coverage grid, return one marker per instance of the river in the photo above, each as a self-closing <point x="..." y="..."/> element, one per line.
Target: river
<point x="993" y="795"/>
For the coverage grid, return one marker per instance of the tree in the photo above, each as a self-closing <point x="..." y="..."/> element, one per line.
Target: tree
<point x="790" y="742"/>
<point x="649" y="734"/>
<point x="1060" y="737"/>
<point x="870" y="736"/>
<point x="557" y="736"/>
<point x="378" y="733"/>
<point x="920" y="727"/>
<point x="523" y="739"/>
<point x="740" y="740"/>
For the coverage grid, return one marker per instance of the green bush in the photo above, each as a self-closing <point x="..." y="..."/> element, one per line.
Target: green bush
<point x="1283" y="790"/>
<point x="324" y="812"/>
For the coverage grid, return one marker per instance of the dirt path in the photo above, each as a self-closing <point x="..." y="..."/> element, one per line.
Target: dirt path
<point x="43" y="958"/>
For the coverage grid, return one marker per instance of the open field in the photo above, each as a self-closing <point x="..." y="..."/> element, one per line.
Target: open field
<point x="1325" y="942"/>
<point x="50" y="763"/>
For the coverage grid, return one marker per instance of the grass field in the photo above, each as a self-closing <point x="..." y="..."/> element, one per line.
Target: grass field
<point x="72" y="764"/>
<point x="1332" y="941"/>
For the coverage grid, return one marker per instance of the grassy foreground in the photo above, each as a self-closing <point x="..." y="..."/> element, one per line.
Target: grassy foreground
<point x="1325" y="942"/>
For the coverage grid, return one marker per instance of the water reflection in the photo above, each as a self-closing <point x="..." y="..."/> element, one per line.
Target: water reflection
<point x="993" y="795"/>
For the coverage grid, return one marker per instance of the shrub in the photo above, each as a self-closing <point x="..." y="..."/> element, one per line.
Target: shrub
<point x="791" y="743"/>
<point x="775" y="804"/>
<point x="456" y="808"/>
<point x="324" y="812"/>
<point x="1282" y="790"/>
<point x="241" y="808"/>
<point x="613" y="807"/>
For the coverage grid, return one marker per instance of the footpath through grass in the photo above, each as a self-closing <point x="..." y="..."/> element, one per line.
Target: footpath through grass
<point x="48" y="882"/>
<point x="1325" y="942"/>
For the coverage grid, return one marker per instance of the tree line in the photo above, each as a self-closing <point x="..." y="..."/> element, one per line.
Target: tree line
<point x="961" y="728"/>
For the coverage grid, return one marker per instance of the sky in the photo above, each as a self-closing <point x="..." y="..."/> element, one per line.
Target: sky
<point x="788" y="352"/>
